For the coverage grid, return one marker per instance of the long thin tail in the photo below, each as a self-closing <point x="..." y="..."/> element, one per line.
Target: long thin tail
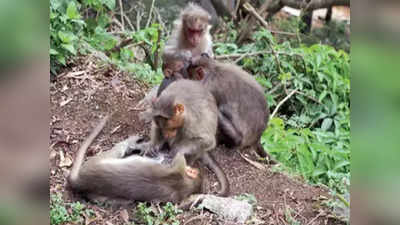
<point x="210" y="162"/>
<point x="82" y="150"/>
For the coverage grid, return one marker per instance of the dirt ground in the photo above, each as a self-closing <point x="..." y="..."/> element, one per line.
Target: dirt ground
<point x="84" y="94"/>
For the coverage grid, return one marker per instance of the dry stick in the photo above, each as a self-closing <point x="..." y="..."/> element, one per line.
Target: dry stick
<point x="311" y="221"/>
<point x="118" y="23"/>
<point x="281" y="102"/>
<point x="129" y="22"/>
<point x="241" y="55"/>
<point x="122" y="15"/>
<point x="151" y="12"/>
<point x="253" y="12"/>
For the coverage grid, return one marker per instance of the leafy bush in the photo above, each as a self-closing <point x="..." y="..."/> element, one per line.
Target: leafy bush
<point x="59" y="210"/>
<point x="149" y="216"/>
<point x="82" y="27"/>
<point x="312" y="135"/>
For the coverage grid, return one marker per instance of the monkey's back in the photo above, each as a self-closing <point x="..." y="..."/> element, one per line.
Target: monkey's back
<point x="238" y="90"/>
<point x="133" y="178"/>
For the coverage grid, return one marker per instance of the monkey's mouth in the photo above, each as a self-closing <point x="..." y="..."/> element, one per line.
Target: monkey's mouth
<point x="195" y="31"/>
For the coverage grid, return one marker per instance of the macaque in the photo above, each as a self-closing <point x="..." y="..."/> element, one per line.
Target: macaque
<point x="243" y="111"/>
<point x="185" y="120"/>
<point x="189" y="38"/>
<point x="115" y="174"/>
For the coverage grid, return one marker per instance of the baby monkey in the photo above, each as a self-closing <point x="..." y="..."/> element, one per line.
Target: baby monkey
<point x="113" y="174"/>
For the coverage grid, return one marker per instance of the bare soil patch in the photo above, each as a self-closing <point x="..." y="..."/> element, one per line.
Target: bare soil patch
<point x="84" y="94"/>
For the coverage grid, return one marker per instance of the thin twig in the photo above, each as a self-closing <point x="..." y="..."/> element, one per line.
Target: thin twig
<point x="253" y="12"/>
<point x="116" y="21"/>
<point x="198" y="217"/>
<point x="129" y="22"/>
<point x="150" y="13"/>
<point x="241" y="54"/>
<point x="156" y="58"/>
<point x="309" y="97"/>
<point x="282" y="32"/>
<point x="281" y="102"/>
<point x="274" y="89"/>
<point x="311" y="221"/>
<point x="122" y="15"/>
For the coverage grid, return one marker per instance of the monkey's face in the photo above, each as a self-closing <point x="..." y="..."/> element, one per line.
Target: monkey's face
<point x="192" y="172"/>
<point x="194" y="31"/>
<point x="170" y="125"/>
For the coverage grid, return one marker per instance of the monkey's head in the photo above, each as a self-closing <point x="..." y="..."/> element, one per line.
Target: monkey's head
<point x="168" y="116"/>
<point x="192" y="176"/>
<point x="201" y="66"/>
<point x="195" y="21"/>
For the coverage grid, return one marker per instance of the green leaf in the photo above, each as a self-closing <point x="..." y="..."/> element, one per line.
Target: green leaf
<point x="66" y="37"/>
<point x="61" y="59"/>
<point x="109" y="3"/>
<point x="326" y="124"/>
<point x="53" y="52"/>
<point x="70" y="48"/>
<point x="322" y="96"/>
<point x="72" y="11"/>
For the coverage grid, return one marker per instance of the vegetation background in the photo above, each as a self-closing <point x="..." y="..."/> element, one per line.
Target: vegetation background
<point x="374" y="142"/>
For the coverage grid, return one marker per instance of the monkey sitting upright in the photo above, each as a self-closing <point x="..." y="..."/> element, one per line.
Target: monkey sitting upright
<point x="243" y="110"/>
<point x="189" y="38"/>
<point x="185" y="119"/>
<point x="112" y="174"/>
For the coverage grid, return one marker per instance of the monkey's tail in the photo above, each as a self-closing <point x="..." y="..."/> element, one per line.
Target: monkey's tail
<point x="73" y="176"/>
<point x="210" y="162"/>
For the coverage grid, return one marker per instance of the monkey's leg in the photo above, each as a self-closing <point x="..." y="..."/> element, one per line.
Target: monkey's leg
<point x="228" y="129"/>
<point x="210" y="162"/>
<point x="261" y="152"/>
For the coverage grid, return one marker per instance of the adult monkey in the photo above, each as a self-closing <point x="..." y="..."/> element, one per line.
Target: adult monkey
<point x="243" y="111"/>
<point x="113" y="174"/>
<point x="187" y="123"/>
<point x="190" y="37"/>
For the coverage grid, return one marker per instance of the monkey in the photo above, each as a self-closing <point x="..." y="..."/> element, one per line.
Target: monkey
<point x="243" y="111"/>
<point x="190" y="37"/>
<point x="185" y="119"/>
<point x="113" y="174"/>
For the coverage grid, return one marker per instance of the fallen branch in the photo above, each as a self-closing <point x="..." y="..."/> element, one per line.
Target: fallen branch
<point x="241" y="55"/>
<point x="281" y="103"/>
<point x="118" y="47"/>
<point x="253" y="12"/>
<point x="122" y="15"/>
<point x="253" y="163"/>
<point x="129" y="22"/>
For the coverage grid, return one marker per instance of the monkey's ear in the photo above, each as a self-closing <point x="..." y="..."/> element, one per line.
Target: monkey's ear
<point x="179" y="109"/>
<point x="200" y="73"/>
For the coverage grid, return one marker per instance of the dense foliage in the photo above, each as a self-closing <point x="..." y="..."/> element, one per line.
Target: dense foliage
<point x="312" y="134"/>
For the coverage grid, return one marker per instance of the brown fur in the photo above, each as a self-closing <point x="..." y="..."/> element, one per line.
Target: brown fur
<point x="179" y="48"/>
<point x="240" y="99"/>
<point x="185" y="117"/>
<point x="113" y="175"/>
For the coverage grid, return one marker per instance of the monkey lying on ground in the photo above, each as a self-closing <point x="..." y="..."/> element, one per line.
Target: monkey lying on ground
<point x="243" y="111"/>
<point x="185" y="119"/>
<point x="112" y="174"/>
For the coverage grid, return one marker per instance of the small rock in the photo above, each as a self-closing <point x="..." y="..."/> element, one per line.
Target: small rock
<point x="228" y="208"/>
